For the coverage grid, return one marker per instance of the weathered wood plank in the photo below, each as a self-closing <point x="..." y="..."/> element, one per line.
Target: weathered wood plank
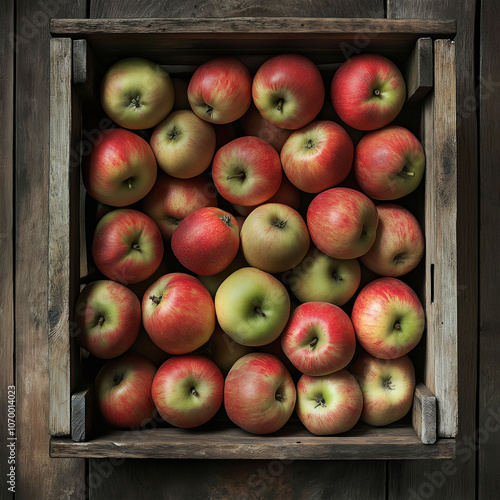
<point x="488" y="434"/>
<point x="419" y="73"/>
<point x="424" y="414"/>
<point x="82" y="407"/>
<point x="225" y="441"/>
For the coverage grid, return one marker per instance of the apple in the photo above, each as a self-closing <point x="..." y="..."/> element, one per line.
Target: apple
<point x="121" y="168"/>
<point x="183" y="144"/>
<point x="247" y="171"/>
<point x="252" y="123"/>
<point x="389" y="163"/>
<point x="342" y="222"/>
<point x="206" y="241"/>
<point x="127" y="246"/>
<point x="224" y="351"/>
<point x="319" y="338"/>
<point x="178" y="313"/>
<point x="388" y="318"/>
<point x="330" y="404"/>
<point x="287" y="194"/>
<point x="123" y="391"/>
<point x="399" y="245"/>
<point x="288" y="91"/>
<point x="137" y="93"/>
<point x="259" y="393"/>
<point x="368" y="91"/>
<point x="144" y="346"/>
<point x="387" y="386"/>
<point x="322" y="278"/>
<point x="108" y="318"/>
<point x="220" y="90"/>
<point x="252" y="306"/>
<point x="274" y="238"/>
<point x="172" y="199"/>
<point x="188" y="390"/>
<point x="318" y="156"/>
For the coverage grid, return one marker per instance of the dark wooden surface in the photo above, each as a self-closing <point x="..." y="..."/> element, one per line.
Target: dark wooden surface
<point x="23" y="271"/>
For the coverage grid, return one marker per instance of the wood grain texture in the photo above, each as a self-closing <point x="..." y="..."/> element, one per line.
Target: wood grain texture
<point x="457" y="480"/>
<point x="419" y="75"/>
<point x="489" y="269"/>
<point x="82" y="408"/>
<point x="7" y="375"/>
<point x="424" y="416"/>
<point x="225" y="441"/>
<point x="39" y="475"/>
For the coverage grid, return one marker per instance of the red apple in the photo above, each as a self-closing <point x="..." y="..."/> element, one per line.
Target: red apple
<point x="127" y="246"/>
<point x="206" y="241"/>
<point x="399" y="245"/>
<point x="178" y="313"/>
<point x="274" y="238"/>
<point x="317" y="156"/>
<point x="247" y="171"/>
<point x="330" y="404"/>
<point x="368" y="91"/>
<point x="389" y="163"/>
<point x="388" y="318"/>
<point x="342" y="222"/>
<point x="387" y="386"/>
<point x="220" y="90"/>
<point x="121" y="169"/>
<point x="187" y="390"/>
<point x="172" y="199"/>
<point x="259" y="393"/>
<point x="288" y="91"/>
<point x="108" y="318"/>
<point x="123" y="391"/>
<point x="319" y="338"/>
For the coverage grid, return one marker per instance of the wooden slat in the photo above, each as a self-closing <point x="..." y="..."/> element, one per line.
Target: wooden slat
<point x="419" y="73"/>
<point x="489" y="242"/>
<point x="229" y="442"/>
<point x="82" y="414"/>
<point x="87" y="72"/>
<point x="424" y="414"/>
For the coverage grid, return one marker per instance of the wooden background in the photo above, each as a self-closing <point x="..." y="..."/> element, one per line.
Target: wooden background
<point x="24" y="108"/>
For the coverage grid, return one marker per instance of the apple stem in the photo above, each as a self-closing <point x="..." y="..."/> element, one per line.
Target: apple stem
<point x="235" y="176"/>
<point x="376" y="92"/>
<point x="131" y="183"/>
<point x="101" y="321"/>
<point x="155" y="299"/>
<point x="337" y="277"/>
<point x="397" y="325"/>
<point x="136" y="246"/>
<point x="193" y="391"/>
<point x="117" y="379"/>
<point x="278" y="396"/>
<point x="280" y="105"/>
<point x="321" y="401"/>
<point x="259" y="311"/>
<point x="406" y="172"/>
<point x="313" y="342"/>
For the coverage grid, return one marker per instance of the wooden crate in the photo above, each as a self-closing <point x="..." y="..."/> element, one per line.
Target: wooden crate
<point x="424" y="49"/>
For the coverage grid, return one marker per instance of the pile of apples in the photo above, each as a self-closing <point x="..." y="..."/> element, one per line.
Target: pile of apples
<point x="254" y="188"/>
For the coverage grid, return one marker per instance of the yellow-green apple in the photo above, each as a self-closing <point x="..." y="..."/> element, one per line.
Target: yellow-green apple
<point x="330" y="404"/>
<point x="320" y="277"/>
<point x="108" y="318"/>
<point x="121" y="168"/>
<point x="137" y="93"/>
<point x="318" y="156"/>
<point x="220" y="90"/>
<point x="188" y="390"/>
<point x="288" y="91"/>
<point x="259" y="393"/>
<point x="172" y="199"/>
<point x="224" y="351"/>
<point x="388" y="318"/>
<point x="368" y="91"/>
<point x="247" y="171"/>
<point x="287" y="194"/>
<point x="342" y="222"/>
<point x="127" y="246"/>
<point x="319" y="338"/>
<point x="387" y="386"/>
<point x="252" y="123"/>
<point x="389" y="163"/>
<point x="144" y="346"/>
<point x="252" y="306"/>
<point x="123" y="391"/>
<point x="183" y="144"/>
<point x="206" y="241"/>
<point x="399" y="245"/>
<point x="178" y="313"/>
<point x="274" y="238"/>
<point x="180" y="94"/>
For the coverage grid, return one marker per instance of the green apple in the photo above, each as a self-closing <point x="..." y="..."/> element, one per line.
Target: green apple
<point x="252" y="306"/>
